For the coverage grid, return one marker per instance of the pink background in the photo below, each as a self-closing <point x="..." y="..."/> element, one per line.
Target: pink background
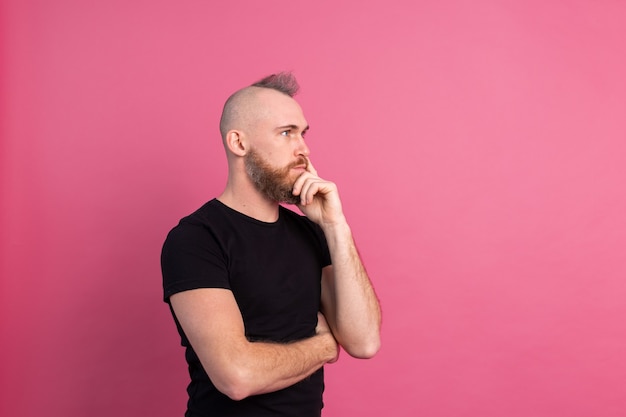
<point x="479" y="147"/>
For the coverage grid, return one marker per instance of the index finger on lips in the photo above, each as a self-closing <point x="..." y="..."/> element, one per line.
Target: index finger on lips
<point x="310" y="167"/>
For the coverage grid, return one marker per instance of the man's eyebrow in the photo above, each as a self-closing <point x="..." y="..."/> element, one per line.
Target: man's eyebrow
<point x="296" y="127"/>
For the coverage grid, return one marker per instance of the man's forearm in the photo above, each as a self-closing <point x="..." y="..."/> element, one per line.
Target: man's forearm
<point x="262" y="367"/>
<point x="357" y="316"/>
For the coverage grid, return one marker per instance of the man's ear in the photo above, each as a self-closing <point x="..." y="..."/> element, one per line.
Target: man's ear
<point x="236" y="142"/>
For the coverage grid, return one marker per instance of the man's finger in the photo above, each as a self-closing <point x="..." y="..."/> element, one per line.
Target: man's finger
<point x="310" y="166"/>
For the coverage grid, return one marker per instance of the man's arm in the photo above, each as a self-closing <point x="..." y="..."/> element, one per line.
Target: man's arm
<point x="348" y="299"/>
<point x="237" y="367"/>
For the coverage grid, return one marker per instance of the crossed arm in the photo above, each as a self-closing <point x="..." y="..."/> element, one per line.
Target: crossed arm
<point x="237" y="367"/>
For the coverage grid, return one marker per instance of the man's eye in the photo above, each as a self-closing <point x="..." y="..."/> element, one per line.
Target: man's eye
<point x="285" y="132"/>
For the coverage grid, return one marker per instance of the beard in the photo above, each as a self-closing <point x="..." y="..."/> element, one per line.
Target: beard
<point x="275" y="183"/>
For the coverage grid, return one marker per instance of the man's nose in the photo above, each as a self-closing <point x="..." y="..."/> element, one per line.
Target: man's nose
<point x="302" y="148"/>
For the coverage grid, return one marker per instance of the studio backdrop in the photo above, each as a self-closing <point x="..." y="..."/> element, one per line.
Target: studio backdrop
<point x="479" y="148"/>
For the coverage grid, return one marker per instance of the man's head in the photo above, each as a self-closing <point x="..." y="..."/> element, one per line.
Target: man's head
<point x="263" y="129"/>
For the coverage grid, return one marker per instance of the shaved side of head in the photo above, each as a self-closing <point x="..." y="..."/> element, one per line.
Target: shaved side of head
<point x="242" y="107"/>
<point x="239" y="111"/>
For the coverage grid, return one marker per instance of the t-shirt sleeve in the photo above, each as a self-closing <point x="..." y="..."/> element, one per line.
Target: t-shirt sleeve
<point x="191" y="258"/>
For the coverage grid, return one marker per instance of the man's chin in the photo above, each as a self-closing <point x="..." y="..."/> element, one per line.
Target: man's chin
<point x="286" y="193"/>
<point x="293" y="199"/>
<point x="286" y="197"/>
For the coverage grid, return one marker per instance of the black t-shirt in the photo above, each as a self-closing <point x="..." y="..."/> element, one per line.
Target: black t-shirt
<point x="274" y="272"/>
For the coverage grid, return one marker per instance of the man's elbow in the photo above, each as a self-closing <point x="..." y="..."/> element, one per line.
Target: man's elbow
<point x="234" y="392"/>
<point x="364" y="350"/>
<point x="235" y="384"/>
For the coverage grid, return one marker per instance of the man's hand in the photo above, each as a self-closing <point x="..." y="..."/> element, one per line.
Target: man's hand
<point x="319" y="199"/>
<point x="323" y="328"/>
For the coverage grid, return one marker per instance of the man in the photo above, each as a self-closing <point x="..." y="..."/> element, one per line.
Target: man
<point x="264" y="297"/>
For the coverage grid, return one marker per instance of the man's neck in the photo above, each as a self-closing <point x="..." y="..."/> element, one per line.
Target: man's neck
<point x="251" y="203"/>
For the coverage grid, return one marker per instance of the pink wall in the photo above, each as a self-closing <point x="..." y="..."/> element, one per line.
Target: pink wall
<point x="479" y="147"/>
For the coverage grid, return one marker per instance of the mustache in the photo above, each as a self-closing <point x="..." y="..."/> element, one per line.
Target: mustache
<point x="300" y="161"/>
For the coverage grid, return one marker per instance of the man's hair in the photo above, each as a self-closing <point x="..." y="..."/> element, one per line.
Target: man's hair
<point x="285" y="82"/>
<point x="234" y="108"/>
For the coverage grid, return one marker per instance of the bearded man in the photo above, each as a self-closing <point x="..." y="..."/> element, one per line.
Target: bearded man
<point x="264" y="297"/>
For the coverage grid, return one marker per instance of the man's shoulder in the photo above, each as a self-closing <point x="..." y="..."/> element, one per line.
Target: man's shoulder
<point x="207" y="213"/>
<point x="198" y="222"/>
